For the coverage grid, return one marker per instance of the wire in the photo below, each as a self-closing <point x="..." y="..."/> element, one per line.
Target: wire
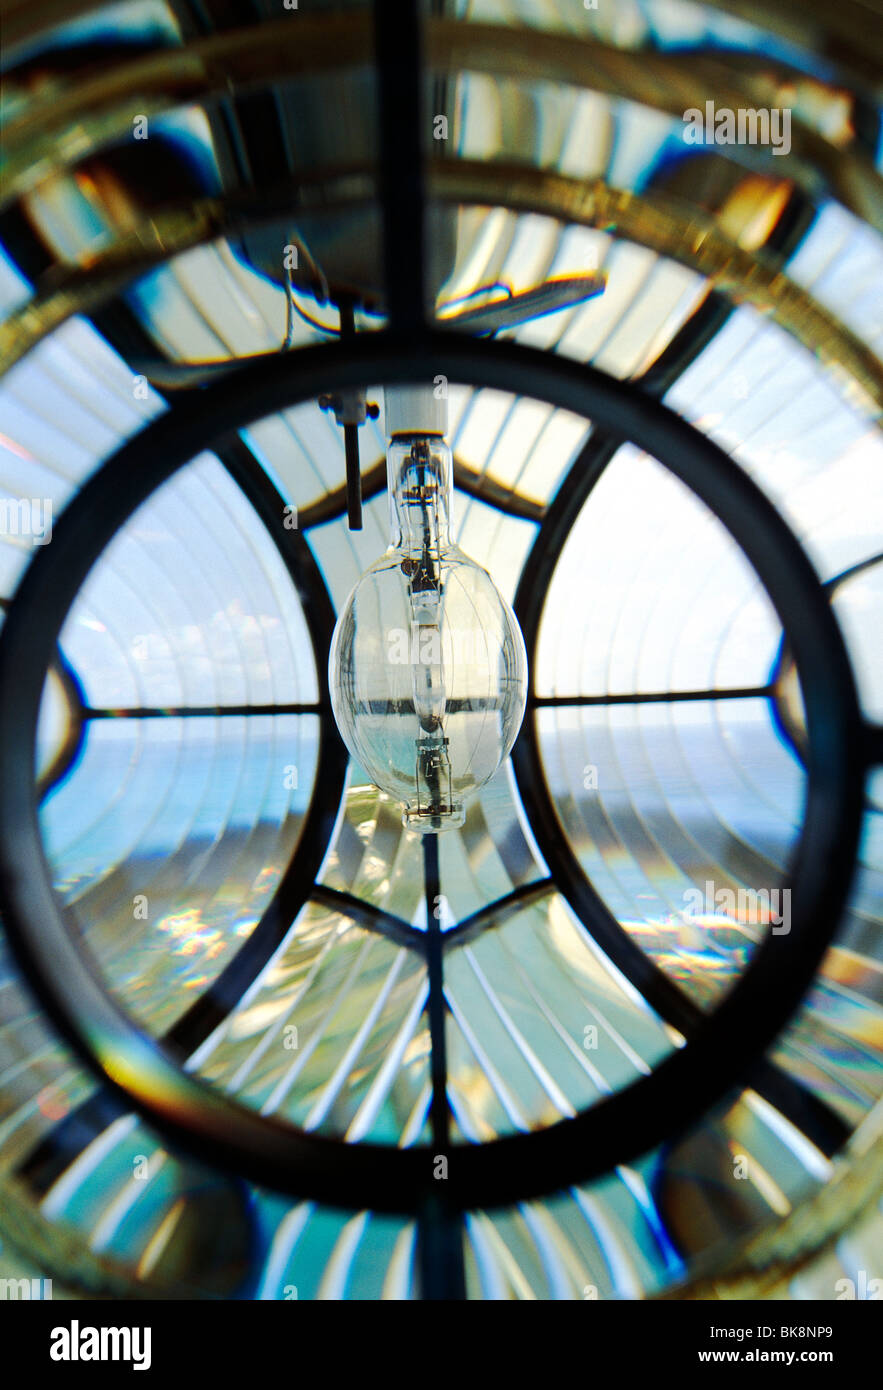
<point x="313" y="323"/>
<point x="292" y="307"/>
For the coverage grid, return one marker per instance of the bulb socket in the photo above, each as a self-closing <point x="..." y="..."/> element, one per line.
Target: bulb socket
<point x="415" y="410"/>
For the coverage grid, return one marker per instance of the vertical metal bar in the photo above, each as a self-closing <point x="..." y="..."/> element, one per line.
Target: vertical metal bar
<point x="440" y="1231"/>
<point x="353" y="477"/>
<point x="439" y="1113"/>
<point x="398" y="57"/>
<point x="351" y="433"/>
<point x="440" y="1252"/>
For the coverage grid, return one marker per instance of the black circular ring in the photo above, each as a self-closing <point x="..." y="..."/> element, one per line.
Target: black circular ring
<point x="617" y="1128"/>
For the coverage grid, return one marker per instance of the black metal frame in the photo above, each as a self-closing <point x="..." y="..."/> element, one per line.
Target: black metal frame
<point x="818" y="1120"/>
<point x="329" y="781"/>
<point x="513" y="1168"/>
<point x="840" y="750"/>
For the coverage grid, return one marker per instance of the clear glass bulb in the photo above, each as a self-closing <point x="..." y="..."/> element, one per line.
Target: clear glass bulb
<point x="428" y="672"/>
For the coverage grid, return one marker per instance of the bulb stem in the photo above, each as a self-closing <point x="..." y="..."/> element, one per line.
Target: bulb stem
<point x="420" y="478"/>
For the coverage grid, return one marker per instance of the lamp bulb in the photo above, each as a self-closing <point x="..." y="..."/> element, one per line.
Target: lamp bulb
<point x="427" y="672"/>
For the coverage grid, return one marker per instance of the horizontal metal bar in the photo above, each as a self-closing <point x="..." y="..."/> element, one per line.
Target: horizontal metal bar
<point x="202" y="711"/>
<point x="656" y="697"/>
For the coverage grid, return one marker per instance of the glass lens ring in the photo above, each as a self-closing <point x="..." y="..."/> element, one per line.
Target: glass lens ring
<point x="621" y="1126"/>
